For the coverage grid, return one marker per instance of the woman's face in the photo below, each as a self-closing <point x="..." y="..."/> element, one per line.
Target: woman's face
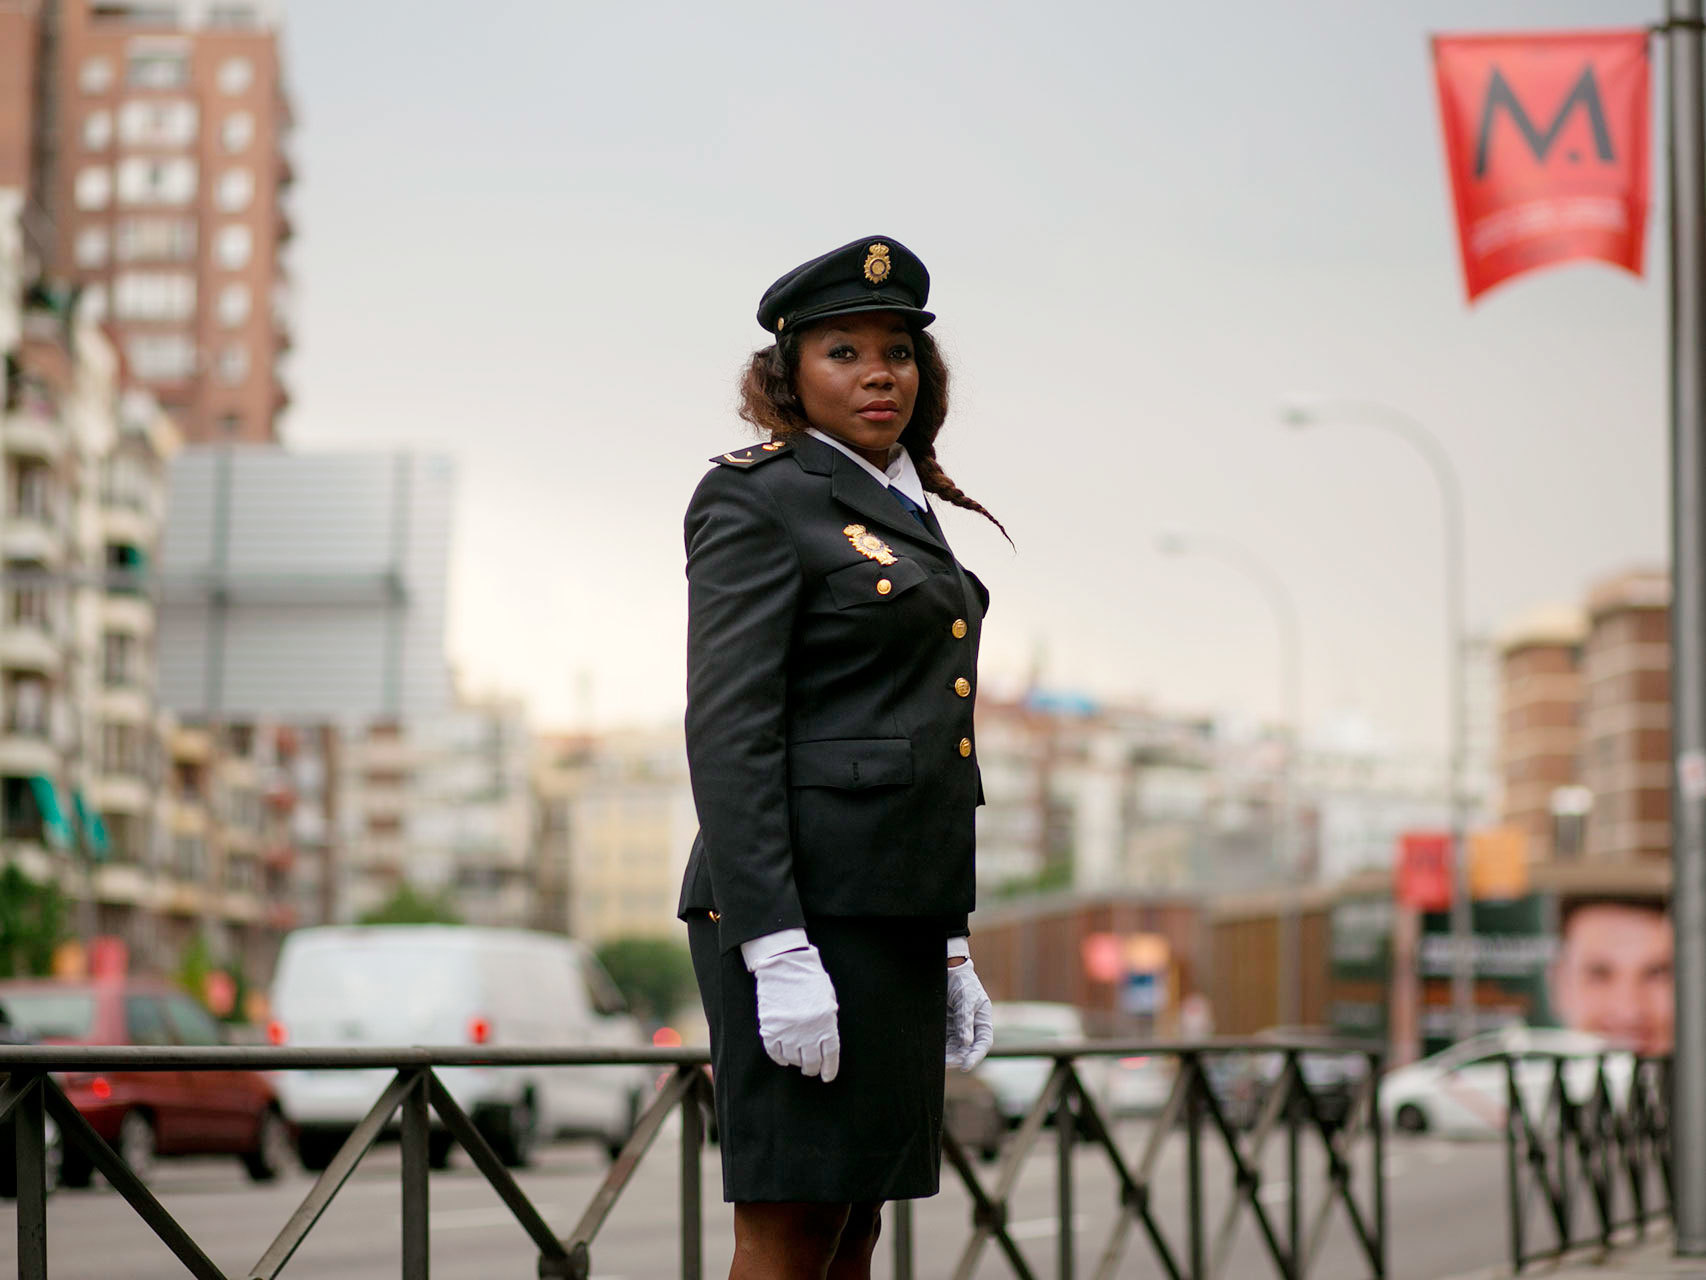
<point x="858" y="378"/>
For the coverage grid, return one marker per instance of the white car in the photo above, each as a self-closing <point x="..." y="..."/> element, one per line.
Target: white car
<point x="1018" y="1082"/>
<point x="1463" y="1091"/>
<point x="393" y="986"/>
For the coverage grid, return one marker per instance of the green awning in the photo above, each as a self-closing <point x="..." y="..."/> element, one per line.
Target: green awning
<point x="53" y="823"/>
<point x="94" y="831"/>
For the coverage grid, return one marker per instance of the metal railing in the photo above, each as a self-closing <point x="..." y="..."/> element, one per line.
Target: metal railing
<point x="1343" y="1126"/>
<point x="1589" y="1136"/>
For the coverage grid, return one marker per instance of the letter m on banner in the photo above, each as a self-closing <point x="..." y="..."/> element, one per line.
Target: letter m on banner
<point x="1546" y="137"/>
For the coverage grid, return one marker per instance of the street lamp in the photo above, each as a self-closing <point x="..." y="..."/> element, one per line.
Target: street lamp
<point x="1305" y="412"/>
<point x="1291" y="709"/>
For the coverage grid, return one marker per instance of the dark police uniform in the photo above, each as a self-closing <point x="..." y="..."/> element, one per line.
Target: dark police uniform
<point x="832" y="663"/>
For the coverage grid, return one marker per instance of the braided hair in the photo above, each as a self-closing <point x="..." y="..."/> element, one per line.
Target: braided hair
<point x="769" y="402"/>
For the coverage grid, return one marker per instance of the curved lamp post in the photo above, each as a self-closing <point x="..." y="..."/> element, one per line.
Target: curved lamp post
<point x="1303" y="412"/>
<point x="1273" y="588"/>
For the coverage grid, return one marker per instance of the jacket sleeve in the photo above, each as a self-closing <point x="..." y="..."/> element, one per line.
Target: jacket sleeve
<point x="743" y="588"/>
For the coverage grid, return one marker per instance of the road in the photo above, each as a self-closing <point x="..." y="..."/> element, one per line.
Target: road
<point x="1446" y="1205"/>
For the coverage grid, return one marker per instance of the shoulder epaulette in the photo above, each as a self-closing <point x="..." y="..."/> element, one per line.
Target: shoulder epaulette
<point x="751" y="456"/>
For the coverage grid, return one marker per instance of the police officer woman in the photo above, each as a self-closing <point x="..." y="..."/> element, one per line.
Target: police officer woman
<point x="832" y="659"/>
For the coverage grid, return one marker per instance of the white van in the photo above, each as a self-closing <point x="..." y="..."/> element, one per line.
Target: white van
<point x="395" y="986"/>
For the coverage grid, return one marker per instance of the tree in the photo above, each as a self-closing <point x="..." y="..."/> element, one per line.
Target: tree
<point x="32" y="924"/>
<point x="410" y="906"/>
<point x="655" y="974"/>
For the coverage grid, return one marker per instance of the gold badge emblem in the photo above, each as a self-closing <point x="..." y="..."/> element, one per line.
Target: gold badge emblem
<point x="868" y="544"/>
<point x="877" y="264"/>
<point x="772" y="446"/>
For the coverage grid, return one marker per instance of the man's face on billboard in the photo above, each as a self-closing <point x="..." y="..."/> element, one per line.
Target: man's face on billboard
<point x="1612" y="976"/>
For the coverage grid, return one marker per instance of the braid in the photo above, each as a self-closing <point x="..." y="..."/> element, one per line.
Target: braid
<point x="936" y="481"/>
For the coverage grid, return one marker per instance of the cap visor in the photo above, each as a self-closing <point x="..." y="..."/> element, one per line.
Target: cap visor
<point x="922" y="317"/>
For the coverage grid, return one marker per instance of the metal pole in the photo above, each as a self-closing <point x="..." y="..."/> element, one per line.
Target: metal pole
<point x="1439" y="461"/>
<point x="1687" y="165"/>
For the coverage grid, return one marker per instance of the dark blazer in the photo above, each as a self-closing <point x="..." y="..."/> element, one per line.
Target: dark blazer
<point x="829" y="698"/>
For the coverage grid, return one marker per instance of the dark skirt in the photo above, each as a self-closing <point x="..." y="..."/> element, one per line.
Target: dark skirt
<point x="874" y="1132"/>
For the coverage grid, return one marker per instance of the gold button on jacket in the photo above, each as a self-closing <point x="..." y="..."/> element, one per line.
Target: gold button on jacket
<point x="962" y="686"/>
<point x="959" y="628"/>
<point x="965" y="746"/>
<point x="884" y="586"/>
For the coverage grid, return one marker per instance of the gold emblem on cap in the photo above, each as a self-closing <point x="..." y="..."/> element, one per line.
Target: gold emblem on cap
<point x="868" y="544"/>
<point x="877" y="263"/>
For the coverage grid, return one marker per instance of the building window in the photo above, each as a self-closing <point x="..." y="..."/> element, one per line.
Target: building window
<point x="233" y="304"/>
<point x="155" y="239"/>
<point x="32" y="490"/>
<point x="145" y="181"/>
<point x="162" y="357"/>
<point x="121" y="659"/>
<point x="168" y="122"/>
<point x="95" y="75"/>
<point x="157" y="69"/>
<point x="237" y="132"/>
<point x="94" y="188"/>
<point x="234" y="363"/>
<point x="125" y="483"/>
<point x="236" y="190"/>
<point x="234" y="246"/>
<point x="236" y="75"/>
<point x="98" y="130"/>
<point x="26" y="707"/>
<point x="126" y="567"/>
<point x="189" y="857"/>
<point x="154" y="295"/>
<point x="92" y="247"/>
<point x="27" y="607"/>
<point x="92" y="302"/>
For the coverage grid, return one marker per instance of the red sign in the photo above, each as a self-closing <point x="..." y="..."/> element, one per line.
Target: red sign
<point x="1546" y="136"/>
<point x="1424" y="870"/>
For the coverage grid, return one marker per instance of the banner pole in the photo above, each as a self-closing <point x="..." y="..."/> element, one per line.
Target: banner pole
<point x="1686" y="115"/>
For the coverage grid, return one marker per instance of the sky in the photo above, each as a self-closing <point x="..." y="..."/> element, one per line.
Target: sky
<point x="533" y="234"/>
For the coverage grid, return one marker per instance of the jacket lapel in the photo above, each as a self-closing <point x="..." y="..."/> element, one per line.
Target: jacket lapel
<point x="850" y="485"/>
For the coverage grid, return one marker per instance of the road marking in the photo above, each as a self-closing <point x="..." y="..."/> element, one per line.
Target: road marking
<point x="1035" y="1228"/>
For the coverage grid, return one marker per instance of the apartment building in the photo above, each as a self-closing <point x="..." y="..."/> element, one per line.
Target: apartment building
<point x="162" y="135"/>
<point x="1586" y="750"/>
<point x="615" y="824"/>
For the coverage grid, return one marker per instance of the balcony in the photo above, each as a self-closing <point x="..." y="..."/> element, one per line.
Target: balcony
<point x="121" y="884"/>
<point x="27" y="755"/>
<point x="32" y="434"/>
<point x="279" y="857"/>
<point x="133" y="614"/>
<point x="239" y="906"/>
<point x="27" y="648"/>
<point x="29" y="537"/>
<point x="127" y="525"/>
<point x="122" y="793"/>
<point x="126" y="703"/>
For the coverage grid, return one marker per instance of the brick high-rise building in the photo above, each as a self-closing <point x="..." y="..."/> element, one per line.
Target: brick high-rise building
<point x="1541" y="719"/>
<point x="1626" y="744"/>
<point x="166" y="194"/>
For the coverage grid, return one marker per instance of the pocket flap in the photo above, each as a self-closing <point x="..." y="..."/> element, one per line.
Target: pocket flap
<point x="861" y="583"/>
<point x="851" y="764"/>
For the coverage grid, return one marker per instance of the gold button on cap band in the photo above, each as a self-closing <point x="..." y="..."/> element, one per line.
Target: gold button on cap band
<point x="959" y="628"/>
<point x="884" y="586"/>
<point x="965" y="746"/>
<point x="962" y="686"/>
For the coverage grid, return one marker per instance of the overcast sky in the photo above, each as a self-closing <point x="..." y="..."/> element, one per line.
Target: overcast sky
<point x="533" y="235"/>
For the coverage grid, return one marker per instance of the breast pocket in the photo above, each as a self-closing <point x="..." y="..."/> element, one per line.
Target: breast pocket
<point x="870" y="583"/>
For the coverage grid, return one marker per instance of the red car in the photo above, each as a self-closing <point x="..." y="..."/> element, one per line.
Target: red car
<point x="144" y="1114"/>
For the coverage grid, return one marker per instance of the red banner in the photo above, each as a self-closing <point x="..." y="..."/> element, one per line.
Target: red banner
<point x="1546" y="136"/>
<point x="1424" y="870"/>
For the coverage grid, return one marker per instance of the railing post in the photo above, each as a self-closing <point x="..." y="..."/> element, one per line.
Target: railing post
<point x="1066" y="1134"/>
<point x="416" y="1123"/>
<point x="1513" y="1166"/>
<point x="1377" y="1128"/>
<point x="1293" y="1080"/>
<point x="30" y="1164"/>
<point x="902" y="1222"/>
<point x="1193" y="1166"/>
<point x="692" y="1142"/>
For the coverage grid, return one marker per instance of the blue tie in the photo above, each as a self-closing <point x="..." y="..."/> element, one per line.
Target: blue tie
<point x="916" y="510"/>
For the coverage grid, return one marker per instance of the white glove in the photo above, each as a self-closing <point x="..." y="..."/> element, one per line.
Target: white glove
<point x="796" y="1013"/>
<point x="971" y="1019"/>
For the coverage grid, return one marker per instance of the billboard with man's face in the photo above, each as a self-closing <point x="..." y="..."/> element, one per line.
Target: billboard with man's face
<point x="1611" y="974"/>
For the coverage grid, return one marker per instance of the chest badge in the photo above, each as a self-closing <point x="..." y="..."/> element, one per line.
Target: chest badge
<point x="868" y="544"/>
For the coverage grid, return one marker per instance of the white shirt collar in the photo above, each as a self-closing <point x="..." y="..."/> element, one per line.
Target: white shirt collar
<point x="901" y="474"/>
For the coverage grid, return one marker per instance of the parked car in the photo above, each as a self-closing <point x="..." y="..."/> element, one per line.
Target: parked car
<point x="1141" y="1085"/>
<point x="53" y="1147"/>
<point x="1463" y="1091"/>
<point x="1018" y="1082"/>
<point x="973" y="1115"/>
<point x="1243" y="1082"/>
<point x="148" y="1114"/>
<point x="390" y="986"/>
